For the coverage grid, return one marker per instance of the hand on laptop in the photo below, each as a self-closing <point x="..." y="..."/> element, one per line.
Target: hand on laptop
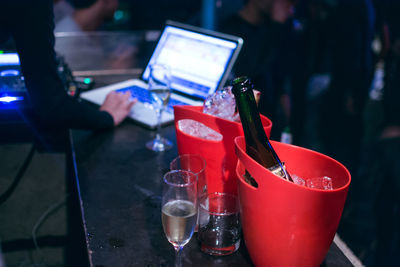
<point x="118" y="105"/>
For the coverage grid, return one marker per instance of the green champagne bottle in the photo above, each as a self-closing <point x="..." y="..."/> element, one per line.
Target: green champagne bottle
<point x="257" y="143"/>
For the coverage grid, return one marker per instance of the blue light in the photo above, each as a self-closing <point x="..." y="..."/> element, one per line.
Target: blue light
<point x="118" y="15"/>
<point x="6" y="73"/>
<point x="9" y="99"/>
<point x="7" y="59"/>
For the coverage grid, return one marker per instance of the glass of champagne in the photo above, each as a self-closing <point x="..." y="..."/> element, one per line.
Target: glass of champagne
<point x="160" y="92"/>
<point x="179" y="209"/>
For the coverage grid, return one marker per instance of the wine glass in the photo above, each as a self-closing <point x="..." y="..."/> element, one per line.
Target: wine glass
<point x="179" y="209"/>
<point x="160" y="92"/>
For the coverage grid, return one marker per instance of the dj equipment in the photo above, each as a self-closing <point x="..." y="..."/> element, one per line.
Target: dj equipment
<point x="13" y="93"/>
<point x="16" y="112"/>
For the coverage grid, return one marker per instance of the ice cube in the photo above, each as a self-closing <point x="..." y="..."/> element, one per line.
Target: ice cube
<point x="222" y="104"/>
<point x="204" y="215"/>
<point x="197" y="129"/>
<point x="324" y="183"/>
<point x="298" y="180"/>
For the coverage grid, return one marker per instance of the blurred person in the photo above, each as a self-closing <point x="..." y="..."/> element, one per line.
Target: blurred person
<point x="372" y="215"/>
<point x="61" y="9"/>
<point x="383" y="177"/>
<point x="262" y="25"/>
<point x="383" y="167"/>
<point x="375" y="212"/>
<point x="310" y="63"/>
<point x="83" y="15"/>
<point x="349" y="31"/>
<point x="388" y="157"/>
<point x="351" y="67"/>
<point x="30" y="25"/>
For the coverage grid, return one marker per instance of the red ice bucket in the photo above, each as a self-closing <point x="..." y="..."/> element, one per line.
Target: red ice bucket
<point x="219" y="155"/>
<point x="285" y="224"/>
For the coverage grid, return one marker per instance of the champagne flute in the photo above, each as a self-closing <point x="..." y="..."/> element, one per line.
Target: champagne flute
<point x="179" y="209"/>
<point x="160" y="92"/>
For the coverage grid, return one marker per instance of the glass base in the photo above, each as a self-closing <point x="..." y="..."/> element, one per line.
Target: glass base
<point x="158" y="145"/>
<point x="220" y="251"/>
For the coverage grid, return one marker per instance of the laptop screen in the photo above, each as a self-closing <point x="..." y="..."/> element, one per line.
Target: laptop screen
<point x="200" y="60"/>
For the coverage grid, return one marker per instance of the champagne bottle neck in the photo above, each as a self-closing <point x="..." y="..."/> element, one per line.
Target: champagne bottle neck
<point x="257" y="143"/>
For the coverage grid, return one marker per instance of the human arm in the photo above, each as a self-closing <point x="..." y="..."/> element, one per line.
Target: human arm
<point x="31" y="25"/>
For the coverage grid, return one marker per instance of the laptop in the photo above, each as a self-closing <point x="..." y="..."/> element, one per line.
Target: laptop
<point x="200" y="61"/>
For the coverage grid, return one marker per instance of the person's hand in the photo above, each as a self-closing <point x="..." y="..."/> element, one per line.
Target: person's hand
<point x="118" y="105"/>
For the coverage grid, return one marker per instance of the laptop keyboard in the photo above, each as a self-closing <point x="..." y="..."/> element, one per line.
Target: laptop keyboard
<point x="143" y="96"/>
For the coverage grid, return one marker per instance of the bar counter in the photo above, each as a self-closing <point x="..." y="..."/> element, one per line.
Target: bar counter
<point x="115" y="182"/>
<point x="119" y="183"/>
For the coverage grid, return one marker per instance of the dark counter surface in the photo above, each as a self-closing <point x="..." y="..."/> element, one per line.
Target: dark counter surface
<point x="118" y="179"/>
<point x="120" y="191"/>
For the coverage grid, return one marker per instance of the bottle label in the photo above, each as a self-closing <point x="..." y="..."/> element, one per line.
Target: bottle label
<point x="277" y="170"/>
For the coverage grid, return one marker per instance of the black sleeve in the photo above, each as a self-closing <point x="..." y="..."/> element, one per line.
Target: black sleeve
<point x="31" y="25"/>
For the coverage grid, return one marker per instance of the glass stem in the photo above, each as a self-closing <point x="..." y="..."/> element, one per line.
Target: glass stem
<point x="158" y="133"/>
<point x="178" y="257"/>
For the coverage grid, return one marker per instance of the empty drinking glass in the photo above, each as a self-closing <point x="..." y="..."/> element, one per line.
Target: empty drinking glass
<point x="160" y="92"/>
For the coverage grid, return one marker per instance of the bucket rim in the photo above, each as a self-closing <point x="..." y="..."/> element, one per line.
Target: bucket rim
<point x="334" y="190"/>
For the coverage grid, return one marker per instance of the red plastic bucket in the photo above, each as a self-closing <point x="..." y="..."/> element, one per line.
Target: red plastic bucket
<point x="285" y="224"/>
<point x="219" y="155"/>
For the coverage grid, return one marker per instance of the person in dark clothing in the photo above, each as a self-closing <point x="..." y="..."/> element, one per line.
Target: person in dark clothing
<point x="377" y="216"/>
<point x="30" y="25"/>
<point x="387" y="155"/>
<point x="342" y="106"/>
<point x="262" y="26"/>
<point x="370" y="224"/>
<point x="310" y="63"/>
<point x="83" y="15"/>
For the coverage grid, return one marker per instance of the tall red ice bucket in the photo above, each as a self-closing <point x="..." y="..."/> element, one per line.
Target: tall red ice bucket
<point x="285" y="224"/>
<point x="219" y="155"/>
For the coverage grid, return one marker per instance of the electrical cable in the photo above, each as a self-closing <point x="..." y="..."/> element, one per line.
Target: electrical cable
<point x="17" y="179"/>
<point x="50" y="210"/>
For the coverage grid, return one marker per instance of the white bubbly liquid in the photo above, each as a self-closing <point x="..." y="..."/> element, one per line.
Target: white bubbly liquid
<point x="160" y="96"/>
<point x="179" y="219"/>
